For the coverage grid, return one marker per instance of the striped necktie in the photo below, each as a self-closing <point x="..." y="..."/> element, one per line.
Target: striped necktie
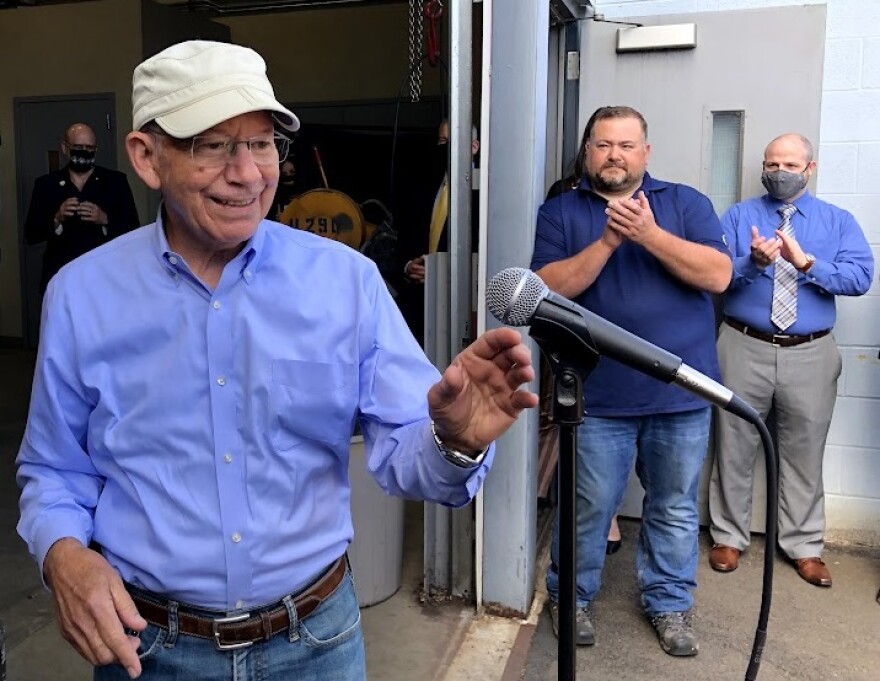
<point x="783" y="311"/>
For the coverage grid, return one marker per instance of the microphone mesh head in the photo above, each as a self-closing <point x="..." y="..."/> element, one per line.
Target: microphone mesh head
<point x="513" y="295"/>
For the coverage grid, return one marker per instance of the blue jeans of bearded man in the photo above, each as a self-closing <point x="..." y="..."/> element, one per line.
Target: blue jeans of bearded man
<point x="668" y="450"/>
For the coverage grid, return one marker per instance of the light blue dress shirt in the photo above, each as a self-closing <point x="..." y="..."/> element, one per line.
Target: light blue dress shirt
<point x="844" y="263"/>
<point x="202" y="437"/>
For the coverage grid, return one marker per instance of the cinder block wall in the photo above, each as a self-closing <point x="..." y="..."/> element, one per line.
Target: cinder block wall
<point x="849" y="165"/>
<point x="849" y="152"/>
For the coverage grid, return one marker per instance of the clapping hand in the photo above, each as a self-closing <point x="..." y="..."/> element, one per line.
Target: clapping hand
<point x="764" y="251"/>
<point x="632" y="219"/>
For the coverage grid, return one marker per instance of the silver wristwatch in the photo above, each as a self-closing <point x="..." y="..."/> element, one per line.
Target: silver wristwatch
<point x="454" y="456"/>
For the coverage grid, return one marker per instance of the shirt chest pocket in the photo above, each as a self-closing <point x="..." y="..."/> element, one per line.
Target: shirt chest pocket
<point x="311" y="401"/>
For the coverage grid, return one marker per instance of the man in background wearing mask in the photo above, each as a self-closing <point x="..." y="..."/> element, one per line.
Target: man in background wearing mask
<point x="411" y="297"/>
<point x="79" y="207"/>
<point x="286" y="191"/>
<point x="438" y="238"/>
<point x="792" y="253"/>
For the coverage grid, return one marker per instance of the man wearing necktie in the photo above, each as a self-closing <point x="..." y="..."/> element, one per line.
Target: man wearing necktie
<point x="792" y="254"/>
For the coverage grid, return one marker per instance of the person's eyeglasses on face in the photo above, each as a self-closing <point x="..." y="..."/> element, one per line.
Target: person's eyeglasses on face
<point x="217" y="150"/>
<point x="214" y="150"/>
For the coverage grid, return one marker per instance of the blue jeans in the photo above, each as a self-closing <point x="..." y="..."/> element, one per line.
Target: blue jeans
<point x="328" y="645"/>
<point x="669" y="451"/>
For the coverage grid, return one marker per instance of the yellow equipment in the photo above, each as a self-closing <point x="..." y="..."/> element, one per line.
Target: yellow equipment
<point x="329" y="213"/>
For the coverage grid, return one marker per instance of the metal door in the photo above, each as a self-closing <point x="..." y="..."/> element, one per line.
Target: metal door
<point x="40" y="123"/>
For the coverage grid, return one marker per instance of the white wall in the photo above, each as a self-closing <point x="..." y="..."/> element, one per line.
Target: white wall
<point x="849" y="165"/>
<point x="614" y="9"/>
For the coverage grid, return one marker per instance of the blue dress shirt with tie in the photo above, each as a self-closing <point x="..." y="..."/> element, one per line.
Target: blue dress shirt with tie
<point x="844" y="262"/>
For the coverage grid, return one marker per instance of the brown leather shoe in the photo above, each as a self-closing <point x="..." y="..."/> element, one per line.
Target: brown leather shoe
<point x="813" y="570"/>
<point x="724" y="558"/>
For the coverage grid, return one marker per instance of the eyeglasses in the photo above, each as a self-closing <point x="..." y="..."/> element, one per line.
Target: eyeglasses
<point x="216" y="151"/>
<point x="80" y="147"/>
<point x="211" y="150"/>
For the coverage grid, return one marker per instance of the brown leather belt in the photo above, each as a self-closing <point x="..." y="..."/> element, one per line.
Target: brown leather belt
<point x="783" y="340"/>
<point x="240" y="631"/>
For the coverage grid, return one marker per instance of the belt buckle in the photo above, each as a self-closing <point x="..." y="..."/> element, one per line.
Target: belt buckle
<point x="778" y="338"/>
<point x="228" y="620"/>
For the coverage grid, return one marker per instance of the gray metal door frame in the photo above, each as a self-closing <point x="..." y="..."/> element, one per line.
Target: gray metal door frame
<point x="490" y="550"/>
<point x="449" y="533"/>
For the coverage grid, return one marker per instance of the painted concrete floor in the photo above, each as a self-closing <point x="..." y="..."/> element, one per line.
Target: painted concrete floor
<point x="814" y="634"/>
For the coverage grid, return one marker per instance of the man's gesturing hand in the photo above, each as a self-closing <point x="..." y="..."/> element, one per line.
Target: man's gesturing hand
<point x="479" y="396"/>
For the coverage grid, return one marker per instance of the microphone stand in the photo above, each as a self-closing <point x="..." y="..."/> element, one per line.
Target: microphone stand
<point x="571" y="361"/>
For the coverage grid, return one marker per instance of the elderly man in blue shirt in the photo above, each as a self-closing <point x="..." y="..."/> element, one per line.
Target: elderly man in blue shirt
<point x="793" y="253"/>
<point x="197" y="384"/>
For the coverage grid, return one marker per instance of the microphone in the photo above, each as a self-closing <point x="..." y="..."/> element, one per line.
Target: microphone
<point x="518" y="297"/>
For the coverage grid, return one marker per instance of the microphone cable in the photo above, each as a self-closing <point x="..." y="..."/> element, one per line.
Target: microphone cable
<point x="769" y="546"/>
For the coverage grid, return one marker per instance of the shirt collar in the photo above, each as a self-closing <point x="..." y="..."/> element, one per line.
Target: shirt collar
<point x="804" y="204"/>
<point x="249" y="260"/>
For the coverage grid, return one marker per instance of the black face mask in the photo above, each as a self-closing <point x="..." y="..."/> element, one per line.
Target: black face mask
<point x="82" y="160"/>
<point x="288" y="180"/>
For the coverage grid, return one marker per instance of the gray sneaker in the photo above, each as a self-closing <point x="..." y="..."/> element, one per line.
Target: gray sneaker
<point x="585" y="633"/>
<point x="676" y="633"/>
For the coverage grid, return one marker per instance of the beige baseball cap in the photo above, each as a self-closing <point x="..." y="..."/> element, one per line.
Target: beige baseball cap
<point x="195" y="85"/>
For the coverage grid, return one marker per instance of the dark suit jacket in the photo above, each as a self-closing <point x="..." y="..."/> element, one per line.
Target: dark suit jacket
<point x="106" y="188"/>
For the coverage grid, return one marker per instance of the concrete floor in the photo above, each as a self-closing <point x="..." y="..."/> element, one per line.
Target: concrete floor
<point x="814" y="634"/>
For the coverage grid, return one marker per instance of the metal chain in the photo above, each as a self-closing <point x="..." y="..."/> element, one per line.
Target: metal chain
<point x="416" y="36"/>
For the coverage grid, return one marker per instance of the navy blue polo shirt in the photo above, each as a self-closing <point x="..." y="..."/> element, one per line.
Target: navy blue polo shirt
<point x="636" y="292"/>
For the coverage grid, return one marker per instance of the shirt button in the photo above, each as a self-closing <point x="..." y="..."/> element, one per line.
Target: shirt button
<point x="247" y="274"/>
<point x="236" y="537"/>
<point x="221" y="381"/>
<point x="173" y="260"/>
<point x="216" y="304"/>
<point x="227" y="458"/>
<point x="239" y="605"/>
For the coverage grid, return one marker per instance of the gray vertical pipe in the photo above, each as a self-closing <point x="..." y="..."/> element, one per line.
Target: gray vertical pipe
<point x="514" y="163"/>
<point x="449" y="534"/>
<point x="460" y="121"/>
<point x="459" y="230"/>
